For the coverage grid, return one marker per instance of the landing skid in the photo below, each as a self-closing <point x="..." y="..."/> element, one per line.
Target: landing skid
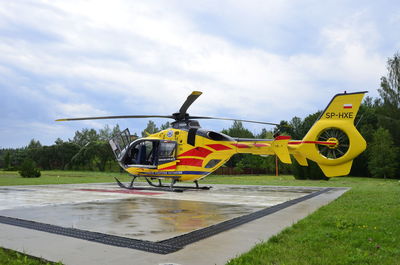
<point x="161" y="187"/>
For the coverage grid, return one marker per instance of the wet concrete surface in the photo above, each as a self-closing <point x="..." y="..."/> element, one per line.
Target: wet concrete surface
<point x="146" y="215"/>
<point x="140" y="218"/>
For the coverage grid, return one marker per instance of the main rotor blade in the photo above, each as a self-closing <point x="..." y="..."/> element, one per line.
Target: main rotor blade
<point x="190" y="99"/>
<point x="228" y="119"/>
<point x="118" y="117"/>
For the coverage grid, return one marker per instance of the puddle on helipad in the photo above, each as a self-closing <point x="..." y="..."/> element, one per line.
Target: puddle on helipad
<point x="146" y="216"/>
<point x="140" y="218"/>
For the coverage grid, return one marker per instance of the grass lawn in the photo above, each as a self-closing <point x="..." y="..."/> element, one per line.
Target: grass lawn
<point x="60" y="177"/>
<point x="360" y="227"/>
<point x="10" y="257"/>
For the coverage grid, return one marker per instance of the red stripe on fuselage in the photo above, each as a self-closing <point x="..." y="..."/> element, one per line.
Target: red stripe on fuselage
<point x="219" y="147"/>
<point x="198" y="151"/>
<point x="190" y="162"/>
<point x="283" y="137"/>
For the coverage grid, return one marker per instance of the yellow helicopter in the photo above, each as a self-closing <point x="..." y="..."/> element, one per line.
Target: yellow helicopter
<point x="186" y="152"/>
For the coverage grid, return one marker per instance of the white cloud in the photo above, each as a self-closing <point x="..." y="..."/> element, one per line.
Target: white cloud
<point x="90" y="58"/>
<point x="79" y="110"/>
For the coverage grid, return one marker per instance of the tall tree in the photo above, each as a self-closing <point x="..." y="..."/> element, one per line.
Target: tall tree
<point x="265" y="134"/>
<point x="63" y="153"/>
<point x="116" y="130"/>
<point x="98" y="153"/>
<point x="58" y="141"/>
<point x="383" y="155"/>
<point x="105" y="134"/>
<point x="33" y="150"/>
<point x="150" y="129"/>
<point x="85" y="136"/>
<point x="296" y="128"/>
<point x="7" y="161"/>
<point x="34" y="144"/>
<point x="389" y="113"/>
<point x="367" y="123"/>
<point x="390" y="84"/>
<point x="238" y="130"/>
<point x="165" y="126"/>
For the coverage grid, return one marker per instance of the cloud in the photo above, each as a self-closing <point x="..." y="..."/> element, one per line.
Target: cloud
<point x="262" y="60"/>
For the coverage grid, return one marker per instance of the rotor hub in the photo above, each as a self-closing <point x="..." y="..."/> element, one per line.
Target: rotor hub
<point x="180" y="116"/>
<point x="334" y="143"/>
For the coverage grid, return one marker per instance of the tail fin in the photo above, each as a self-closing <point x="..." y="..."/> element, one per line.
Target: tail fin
<point x="280" y="148"/>
<point x="335" y="126"/>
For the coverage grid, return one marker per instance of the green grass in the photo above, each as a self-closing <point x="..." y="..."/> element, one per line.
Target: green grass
<point x="360" y="227"/>
<point x="289" y="180"/>
<point x="9" y="178"/>
<point x="10" y="257"/>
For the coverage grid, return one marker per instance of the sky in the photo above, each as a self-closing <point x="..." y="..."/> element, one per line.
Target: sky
<point x="262" y="60"/>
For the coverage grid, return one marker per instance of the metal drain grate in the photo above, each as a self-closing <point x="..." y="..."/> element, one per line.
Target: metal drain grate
<point x="118" y="241"/>
<point x="200" y="234"/>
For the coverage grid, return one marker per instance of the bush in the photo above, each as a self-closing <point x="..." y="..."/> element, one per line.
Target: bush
<point x="29" y="169"/>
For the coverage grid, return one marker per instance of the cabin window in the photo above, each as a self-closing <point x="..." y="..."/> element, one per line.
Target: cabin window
<point x="167" y="149"/>
<point x="166" y="152"/>
<point x="143" y="153"/>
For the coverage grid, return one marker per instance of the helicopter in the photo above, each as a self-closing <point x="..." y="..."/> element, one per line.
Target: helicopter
<point x="188" y="153"/>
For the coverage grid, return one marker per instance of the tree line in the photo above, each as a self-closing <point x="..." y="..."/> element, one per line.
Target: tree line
<point x="87" y="150"/>
<point x="378" y="120"/>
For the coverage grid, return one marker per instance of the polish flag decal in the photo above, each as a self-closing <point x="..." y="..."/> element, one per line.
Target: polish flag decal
<point x="348" y="106"/>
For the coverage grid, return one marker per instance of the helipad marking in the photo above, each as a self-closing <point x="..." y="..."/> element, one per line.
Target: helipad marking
<point x="123" y="191"/>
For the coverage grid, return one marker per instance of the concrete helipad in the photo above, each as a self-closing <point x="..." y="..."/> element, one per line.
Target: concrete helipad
<point x="102" y="224"/>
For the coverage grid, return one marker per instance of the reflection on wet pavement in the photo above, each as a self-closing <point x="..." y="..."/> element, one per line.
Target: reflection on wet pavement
<point x="141" y="216"/>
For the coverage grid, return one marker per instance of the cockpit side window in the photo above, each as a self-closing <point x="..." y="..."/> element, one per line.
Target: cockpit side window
<point x="134" y="155"/>
<point x="166" y="152"/>
<point x="149" y="146"/>
<point x="167" y="149"/>
<point x="143" y="153"/>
